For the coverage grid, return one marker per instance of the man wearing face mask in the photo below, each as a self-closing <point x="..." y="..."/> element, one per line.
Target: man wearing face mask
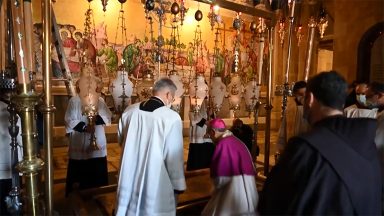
<point x="331" y="170"/>
<point x="359" y="109"/>
<point x="375" y="100"/>
<point x="301" y="125"/>
<point x="152" y="164"/>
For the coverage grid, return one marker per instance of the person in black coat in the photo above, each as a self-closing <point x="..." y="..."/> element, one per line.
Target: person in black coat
<point x="243" y="132"/>
<point x="332" y="169"/>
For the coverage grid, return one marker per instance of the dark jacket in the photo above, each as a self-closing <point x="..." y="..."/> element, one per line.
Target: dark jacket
<point x="331" y="170"/>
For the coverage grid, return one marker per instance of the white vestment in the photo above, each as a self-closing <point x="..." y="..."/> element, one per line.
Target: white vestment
<point x="354" y="112"/>
<point x="5" y="141"/>
<point x="234" y="195"/>
<point x="152" y="164"/>
<point x="80" y="141"/>
<point x="197" y="133"/>
<point x="301" y="124"/>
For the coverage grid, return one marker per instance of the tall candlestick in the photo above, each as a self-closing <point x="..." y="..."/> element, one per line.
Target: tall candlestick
<point x="293" y="4"/>
<point x="311" y="36"/>
<point x="261" y="31"/>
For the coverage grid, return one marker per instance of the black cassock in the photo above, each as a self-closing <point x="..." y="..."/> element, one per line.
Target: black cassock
<point x="331" y="170"/>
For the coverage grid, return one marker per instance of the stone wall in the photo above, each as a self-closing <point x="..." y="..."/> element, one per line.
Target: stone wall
<point x="352" y="20"/>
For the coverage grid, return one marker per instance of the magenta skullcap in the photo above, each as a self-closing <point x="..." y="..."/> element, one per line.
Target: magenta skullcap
<point x="217" y="123"/>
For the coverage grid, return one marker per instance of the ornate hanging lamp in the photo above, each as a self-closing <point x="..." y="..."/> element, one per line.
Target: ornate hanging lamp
<point x="299" y="34"/>
<point x="217" y="91"/>
<point x="89" y="25"/>
<point x="104" y="3"/>
<point x="235" y="87"/>
<point x="198" y="89"/>
<point x="217" y="87"/>
<point x="183" y="11"/>
<point x="121" y="89"/>
<point x="174" y="76"/>
<point x="252" y="89"/>
<point x="323" y="22"/>
<point x="282" y="31"/>
<point x="145" y="86"/>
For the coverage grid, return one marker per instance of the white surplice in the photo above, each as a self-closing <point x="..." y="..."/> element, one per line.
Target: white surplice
<point x="152" y="164"/>
<point x="79" y="142"/>
<point x="301" y="124"/>
<point x="354" y="112"/>
<point x="197" y="133"/>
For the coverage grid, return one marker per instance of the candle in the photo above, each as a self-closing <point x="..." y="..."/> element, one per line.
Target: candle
<point x="293" y="3"/>
<point x="28" y="36"/>
<point x="2" y="37"/>
<point x="19" y="37"/>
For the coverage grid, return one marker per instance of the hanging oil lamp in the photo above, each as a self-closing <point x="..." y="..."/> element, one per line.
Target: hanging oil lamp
<point x="89" y="24"/>
<point x="217" y="87"/>
<point x="282" y="31"/>
<point x="104" y="3"/>
<point x="252" y="88"/>
<point x="198" y="89"/>
<point x="323" y="22"/>
<point x="145" y="87"/>
<point x="174" y="76"/>
<point x="251" y="94"/>
<point x="299" y="34"/>
<point x="235" y="87"/>
<point x="121" y="89"/>
<point x="183" y="11"/>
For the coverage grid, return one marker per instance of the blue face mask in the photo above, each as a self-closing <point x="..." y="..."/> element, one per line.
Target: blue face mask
<point x="361" y="99"/>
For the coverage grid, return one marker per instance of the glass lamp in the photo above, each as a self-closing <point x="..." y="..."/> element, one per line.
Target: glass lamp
<point x="217" y="92"/>
<point x="198" y="90"/>
<point x="235" y="89"/>
<point x="251" y="94"/>
<point x="121" y="89"/>
<point x="144" y="88"/>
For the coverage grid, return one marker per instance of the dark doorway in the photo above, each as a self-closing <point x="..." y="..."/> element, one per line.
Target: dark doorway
<point x="365" y="51"/>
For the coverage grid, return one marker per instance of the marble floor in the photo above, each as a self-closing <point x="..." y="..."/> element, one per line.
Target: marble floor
<point x="101" y="201"/>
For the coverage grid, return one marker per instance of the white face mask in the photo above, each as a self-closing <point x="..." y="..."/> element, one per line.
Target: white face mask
<point x="361" y="99"/>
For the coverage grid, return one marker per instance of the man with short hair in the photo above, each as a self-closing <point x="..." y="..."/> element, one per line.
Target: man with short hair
<point x="301" y="125"/>
<point x="152" y="164"/>
<point x="332" y="169"/>
<point x="359" y="109"/>
<point x="245" y="133"/>
<point x="233" y="174"/>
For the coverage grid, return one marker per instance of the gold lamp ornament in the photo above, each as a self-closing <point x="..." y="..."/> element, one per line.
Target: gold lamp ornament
<point x="89" y="95"/>
<point x="323" y="22"/>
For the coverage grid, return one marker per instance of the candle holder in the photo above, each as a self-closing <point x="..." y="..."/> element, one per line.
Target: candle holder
<point x="89" y="96"/>
<point x="323" y="22"/>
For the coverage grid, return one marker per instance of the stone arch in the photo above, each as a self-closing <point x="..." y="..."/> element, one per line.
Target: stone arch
<point x="364" y="51"/>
